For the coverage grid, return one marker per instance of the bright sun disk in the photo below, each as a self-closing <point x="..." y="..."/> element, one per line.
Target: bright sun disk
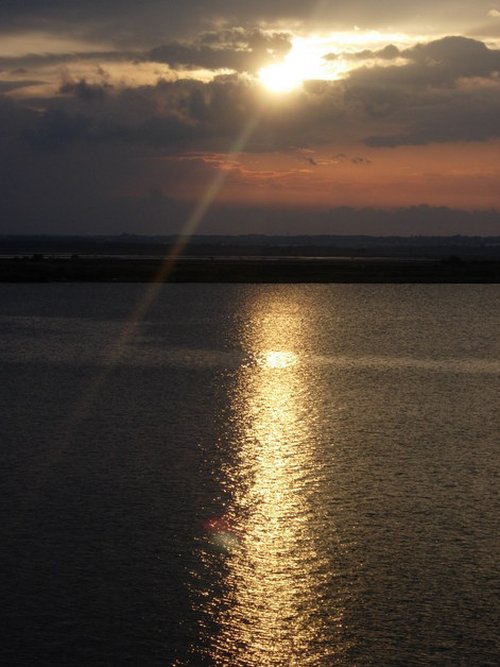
<point x="280" y="78"/>
<point x="300" y="63"/>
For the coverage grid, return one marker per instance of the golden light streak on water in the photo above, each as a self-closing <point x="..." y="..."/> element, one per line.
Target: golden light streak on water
<point x="275" y="584"/>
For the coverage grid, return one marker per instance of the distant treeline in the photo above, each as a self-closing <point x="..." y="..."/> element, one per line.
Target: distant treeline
<point x="245" y="269"/>
<point x="254" y="245"/>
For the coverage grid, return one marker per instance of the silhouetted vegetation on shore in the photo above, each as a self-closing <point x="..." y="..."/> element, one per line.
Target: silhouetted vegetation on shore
<point x="256" y="245"/>
<point x="250" y="258"/>
<point x="39" y="268"/>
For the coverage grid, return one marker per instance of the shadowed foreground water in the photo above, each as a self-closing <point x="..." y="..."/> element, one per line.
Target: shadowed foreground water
<point x="250" y="475"/>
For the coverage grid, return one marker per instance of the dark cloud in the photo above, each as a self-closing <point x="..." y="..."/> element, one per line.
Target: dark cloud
<point x="425" y="100"/>
<point x="184" y="113"/>
<point x="14" y="119"/>
<point x="6" y="86"/>
<point x="56" y="129"/>
<point x="133" y="24"/>
<point x="441" y="91"/>
<point x="448" y="90"/>
<point x="461" y="116"/>
<point x="389" y="52"/>
<point x="375" y="99"/>
<point x="33" y="61"/>
<point x="88" y="92"/>
<point x="439" y="63"/>
<point x="422" y="101"/>
<point x="445" y="60"/>
<point x="237" y="49"/>
<point x="343" y="10"/>
<point x="168" y="114"/>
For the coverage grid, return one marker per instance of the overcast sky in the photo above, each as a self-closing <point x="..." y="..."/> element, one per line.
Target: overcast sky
<point x="225" y="116"/>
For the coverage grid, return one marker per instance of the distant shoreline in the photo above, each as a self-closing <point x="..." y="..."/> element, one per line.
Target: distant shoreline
<point x="41" y="269"/>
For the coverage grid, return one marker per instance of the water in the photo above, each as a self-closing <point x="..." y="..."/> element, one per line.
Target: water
<point x="249" y="475"/>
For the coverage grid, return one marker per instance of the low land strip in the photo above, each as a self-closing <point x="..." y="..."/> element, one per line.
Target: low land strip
<point x="39" y="268"/>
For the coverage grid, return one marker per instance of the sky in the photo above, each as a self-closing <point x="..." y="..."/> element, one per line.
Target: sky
<point x="232" y="117"/>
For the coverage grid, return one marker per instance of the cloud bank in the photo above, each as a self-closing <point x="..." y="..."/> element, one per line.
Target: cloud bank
<point x="144" y="90"/>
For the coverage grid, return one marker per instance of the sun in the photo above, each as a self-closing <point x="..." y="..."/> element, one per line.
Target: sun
<point x="322" y="58"/>
<point x="280" y="78"/>
<point x="299" y="64"/>
<point x="305" y="61"/>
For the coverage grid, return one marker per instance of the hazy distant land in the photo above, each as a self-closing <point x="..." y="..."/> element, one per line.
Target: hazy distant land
<point x="251" y="259"/>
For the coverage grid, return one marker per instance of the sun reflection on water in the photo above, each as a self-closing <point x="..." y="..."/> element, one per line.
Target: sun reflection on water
<point x="278" y="359"/>
<point x="272" y="612"/>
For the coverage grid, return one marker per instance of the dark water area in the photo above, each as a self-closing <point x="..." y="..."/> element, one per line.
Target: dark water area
<point x="249" y="475"/>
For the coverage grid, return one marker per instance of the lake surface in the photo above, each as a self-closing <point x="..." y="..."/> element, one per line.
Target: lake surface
<point x="247" y="475"/>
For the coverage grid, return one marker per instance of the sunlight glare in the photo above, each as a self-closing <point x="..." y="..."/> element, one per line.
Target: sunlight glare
<point x="308" y="58"/>
<point x="279" y="359"/>
<point x="301" y="63"/>
<point x="279" y="78"/>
